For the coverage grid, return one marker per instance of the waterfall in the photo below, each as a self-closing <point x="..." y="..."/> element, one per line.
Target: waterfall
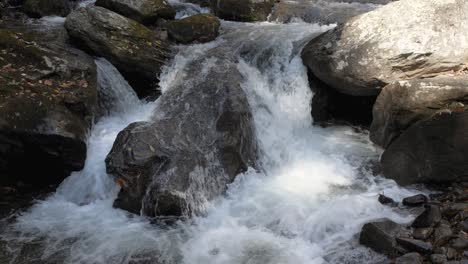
<point x="305" y="205"/>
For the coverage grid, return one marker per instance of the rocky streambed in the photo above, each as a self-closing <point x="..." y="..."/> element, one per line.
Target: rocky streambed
<point x="233" y="131"/>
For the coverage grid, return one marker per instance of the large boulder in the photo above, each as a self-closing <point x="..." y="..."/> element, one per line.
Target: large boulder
<point x="143" y="11"/>
<point x="200" y="28"/>
<point x="41" y="8"/>
<point x="133" y="49"/>
<point x="200" y="137"/>
<point x="403" y="103"/>
<point x="403" y="40"/>
<point x="434" y="150"/>
<point x="242" y="10"/>
<point x="48" y="97"/>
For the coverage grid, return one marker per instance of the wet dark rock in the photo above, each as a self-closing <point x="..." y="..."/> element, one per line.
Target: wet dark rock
<point x="48" y="97"/>
<point x="460" y="243"/>
<point x="242" y="10"/>
<point x="422" y="233"/>
<point x="415" y="245"/>
<point x="386" y="200"/>
<point x="200" y="28"/>
<point x="452" y="209"/>
<point x="374" y="49"/>
<point x="429" y="218"/>
<point x="430" y="151"/>
<point x="381" y="236"/>
<point x="464" y="226"/>
<point x="415" y="200"/>
<point x="41" y="8"/>
<point x="410" y="258"/>
<point x="200" y="138"/>
<point x="132" y="48"/>
<point x="438" y="259"/>
<point x="403" y="103"/>
<point x="442" y="234"/>
<point x="143" y="11"/>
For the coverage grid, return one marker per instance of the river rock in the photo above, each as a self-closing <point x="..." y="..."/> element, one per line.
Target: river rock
<point x="431" y="151"/>
<point x="374" y="49"/>
<point x="143" y="11"/>
<point x="200" y="28"/>
<point x="132" y="48"/>
<point x="429" y="218"/>
<point x="48" y="97"/>
<point x="41" y="8"/>
<point x="415" y="200"/>
<point x="415" y="245"/>
<point x="200" y="138"/>
<point x="403" y="103"/>
<point x="243" y="10"/>
<point x="381" y="236"/>
<point x="410" y="258"/>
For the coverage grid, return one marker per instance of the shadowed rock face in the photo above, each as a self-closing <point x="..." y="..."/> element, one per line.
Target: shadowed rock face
<point x="242" y="10"/>
<point x="131" y="47"/>
<point x="48" y="97"/>
<point x="402" y="40"/>
<point x="403" y="103"/>
<point x="143" y="11"/>
<point x="430" y="151"/>
<point x="41" y="8"/>
<point x="200" y="137"/>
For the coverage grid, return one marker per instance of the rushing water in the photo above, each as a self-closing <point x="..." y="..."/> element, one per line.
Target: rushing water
<point x="305" y="205"/>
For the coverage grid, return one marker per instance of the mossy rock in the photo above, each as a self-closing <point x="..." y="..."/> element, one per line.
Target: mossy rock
<point x="143" y="11"/>
<point x="133" y="49"/>
<point x="48" y="98"/>
<point x="243" y="10"/>
<point x="200" y="28"/>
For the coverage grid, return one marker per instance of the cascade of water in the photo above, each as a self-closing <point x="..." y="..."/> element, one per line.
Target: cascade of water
<point x="309" y="199"/>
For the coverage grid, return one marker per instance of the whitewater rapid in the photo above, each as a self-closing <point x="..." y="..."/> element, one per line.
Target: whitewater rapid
<point x="306" y="203"/>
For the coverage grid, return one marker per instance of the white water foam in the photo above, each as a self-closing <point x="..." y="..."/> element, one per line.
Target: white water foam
<point x="305" y="205"/>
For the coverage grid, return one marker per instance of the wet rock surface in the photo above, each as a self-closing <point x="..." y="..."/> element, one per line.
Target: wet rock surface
<point x="143" y="11"/>
<point x="41" y="8"/>
<point x="197" y="28"/>
<point x="200" y="137"/>
<point x="442" y="239"/>
<point x="132" y="48"/>
<point x="242" y="10"/>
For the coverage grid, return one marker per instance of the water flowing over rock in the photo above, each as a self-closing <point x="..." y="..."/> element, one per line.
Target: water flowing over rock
<point x="143" y="11"/>
<point x="379" y="47"/>
<point x="41" y="8"/>
<point x="200" y="138"/>
<point x="430" y="151"/>
<point x="47" y="99"/>
<point x="403" y="103"/>
<point x="131" y="47"/>
<point x="242" y="10"/>
<point x="200" y="28"/>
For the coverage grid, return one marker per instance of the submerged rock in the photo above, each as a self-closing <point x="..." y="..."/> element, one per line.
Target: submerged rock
<point x="243" y="10"/>
<point x="200" y="138"/>
<point x="200" y="28"/>
<point x="48" y="97"/>
<point x="143" y="11"/>
<point x="379" y="47"/>
<point x="131" y="47"/>
<point x="430" y="151"/>
<point x="41" y="8"/>
<point x="403" y="103"/>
